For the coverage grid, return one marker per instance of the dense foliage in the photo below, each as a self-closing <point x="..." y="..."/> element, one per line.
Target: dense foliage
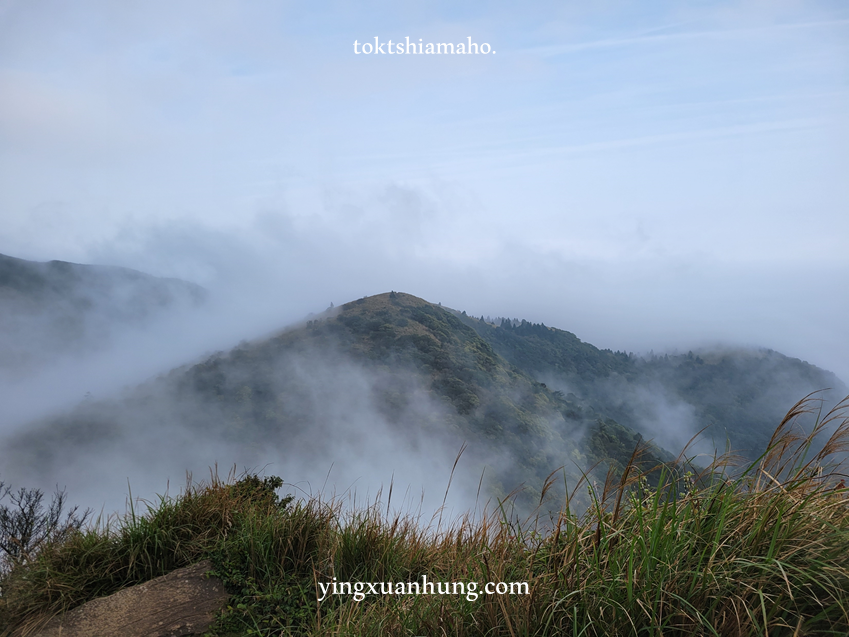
<point x="731" y="395"/>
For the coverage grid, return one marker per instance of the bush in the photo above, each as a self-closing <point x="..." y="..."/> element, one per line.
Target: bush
<point x="26" y="525"/>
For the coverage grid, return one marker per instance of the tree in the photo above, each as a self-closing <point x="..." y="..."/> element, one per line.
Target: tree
<point x="26" y="525"/>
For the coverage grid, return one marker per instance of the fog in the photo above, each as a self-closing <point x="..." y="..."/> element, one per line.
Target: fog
<point x="649" y="178"/>
<point x="338" y="442"/>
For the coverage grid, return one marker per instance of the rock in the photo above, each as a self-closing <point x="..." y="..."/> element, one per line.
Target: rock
<point x="184" y="602"/>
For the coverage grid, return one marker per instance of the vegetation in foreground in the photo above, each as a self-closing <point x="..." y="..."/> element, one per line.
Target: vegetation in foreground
<point x="758" y="551"/>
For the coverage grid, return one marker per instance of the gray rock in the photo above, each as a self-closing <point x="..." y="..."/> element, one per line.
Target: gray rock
<point x="183" y="602"/>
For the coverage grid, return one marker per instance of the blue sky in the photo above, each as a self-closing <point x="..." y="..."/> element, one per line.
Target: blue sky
<point x="645" y="174"/>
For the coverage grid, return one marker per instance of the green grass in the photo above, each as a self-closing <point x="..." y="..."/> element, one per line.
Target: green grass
<point x="762" y="550"/>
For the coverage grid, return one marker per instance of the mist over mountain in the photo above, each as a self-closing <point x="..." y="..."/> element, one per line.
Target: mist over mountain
<point x="388" y="389"/>
<point x="734" y="395"/>
<point x="387" y="385"/>
<point x="54" y="309"/>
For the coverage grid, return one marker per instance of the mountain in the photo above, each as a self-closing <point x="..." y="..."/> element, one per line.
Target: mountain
<point x="56" y="308"/>
<point x="393" y="381"/>
<point x="732" y="395"/>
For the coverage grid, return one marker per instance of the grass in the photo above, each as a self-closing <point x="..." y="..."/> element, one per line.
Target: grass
<point x="760" y="550"/>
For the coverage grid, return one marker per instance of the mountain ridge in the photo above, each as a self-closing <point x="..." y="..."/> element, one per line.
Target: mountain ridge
<point x="391" y="379"/>
<point x="739" y="394"/>
<point x="55" y="308"/>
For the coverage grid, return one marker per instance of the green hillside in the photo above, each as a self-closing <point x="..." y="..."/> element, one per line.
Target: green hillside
<point x="526" y="400"/>
<point x="411" y="348"/>
<point x="392" y="357"/>
<point x="734" y="395"/>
